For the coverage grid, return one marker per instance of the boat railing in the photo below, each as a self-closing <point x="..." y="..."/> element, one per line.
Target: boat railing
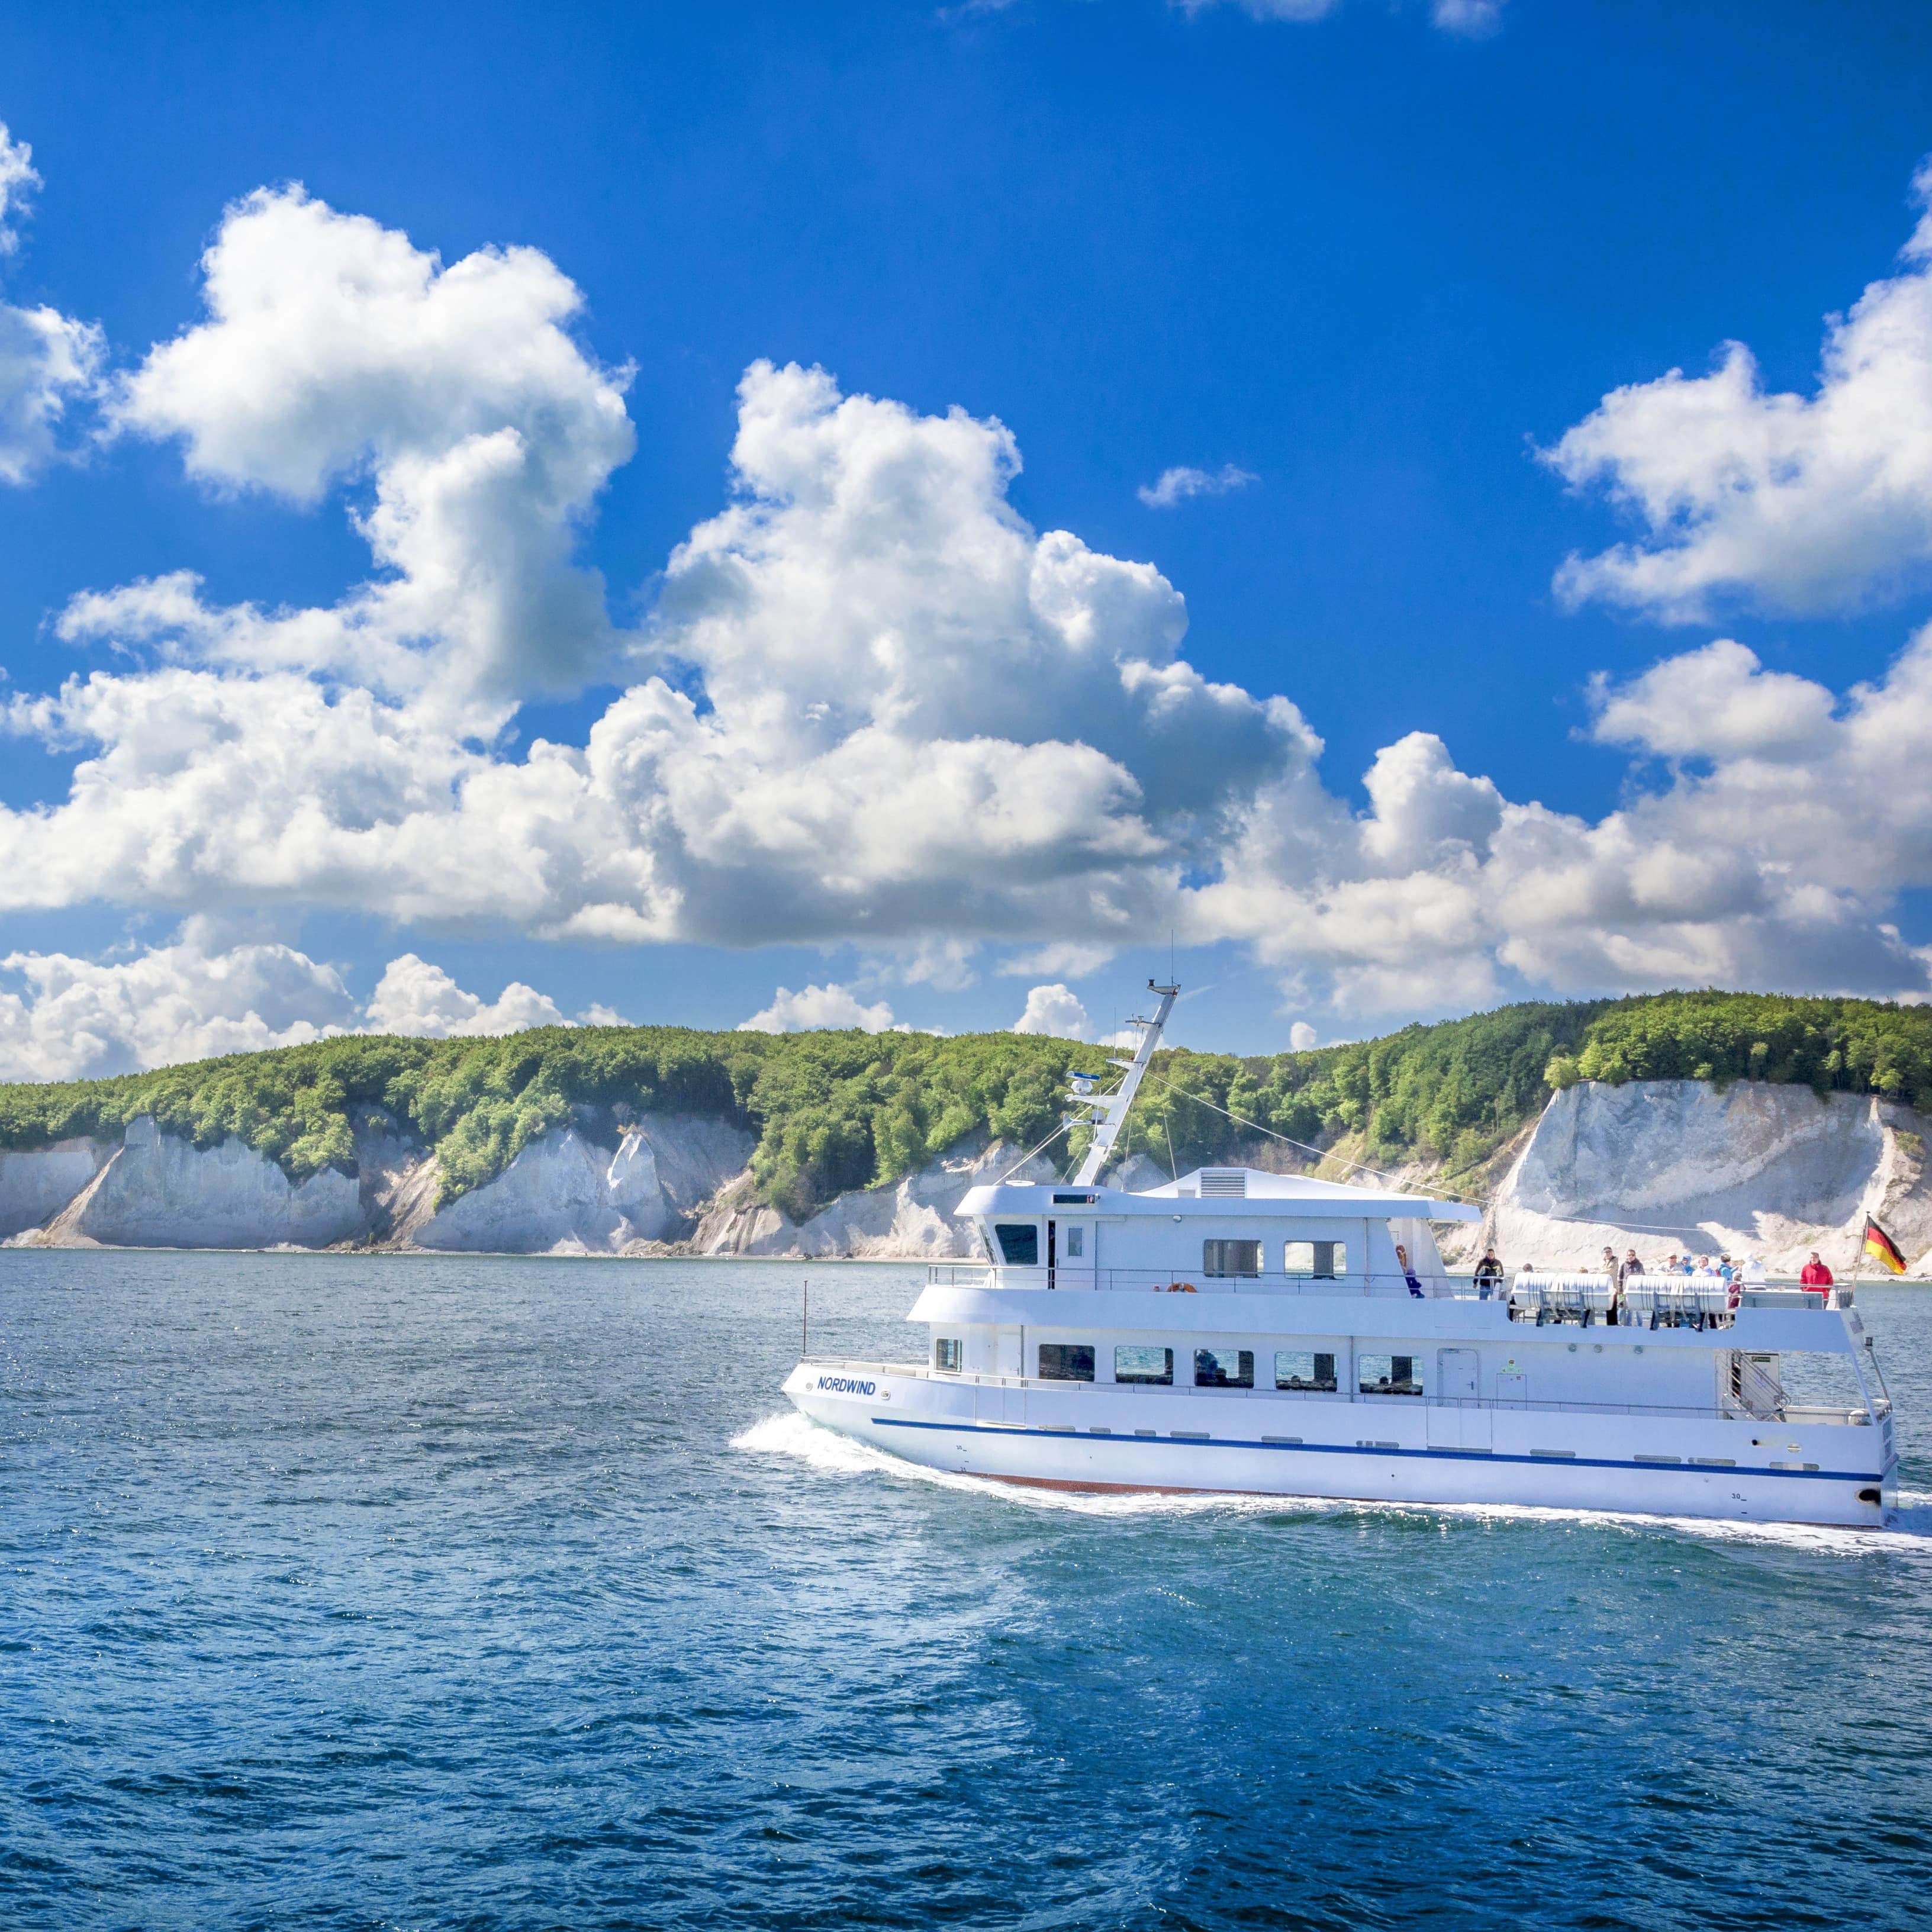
<point x="1077" y="1277"/>
<point x="1648" y="1301"/>
<point x="1833" y="1415"/>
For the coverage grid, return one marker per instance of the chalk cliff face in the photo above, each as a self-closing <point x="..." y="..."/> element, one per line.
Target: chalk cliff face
<point x="154" y="1191"/>
<point x="1655" y="1166"/>
<point x="565" y="1194"/>
<point x="912" y="1219"/>
<point x="35" y="1186"/>
<point x="1659" y="1165"/>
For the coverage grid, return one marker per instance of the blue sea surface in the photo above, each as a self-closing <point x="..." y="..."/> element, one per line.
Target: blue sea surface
<point x="349" y="1591"/>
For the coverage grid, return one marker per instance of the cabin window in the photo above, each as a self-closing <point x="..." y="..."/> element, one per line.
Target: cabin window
<point x="1067" y="1361"/>
<point x="1389" y="1375"/>
<point x="1317" y="1261"/>
<point x="1302" y="1368"/>
<point x="1224" y="1368"/>
<point x="947" y="1351"/>
<point x="1019" y="1243"/>
<point x="1135" y="1364"/>
<point x="1076" y="1243"/>
<point x="1230" y="1258"/>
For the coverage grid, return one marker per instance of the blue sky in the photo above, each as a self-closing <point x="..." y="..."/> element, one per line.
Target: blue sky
<point x="1362" y="267"/>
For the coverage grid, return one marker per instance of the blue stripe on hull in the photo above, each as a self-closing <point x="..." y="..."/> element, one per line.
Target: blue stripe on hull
<point x="1350" y="1449"/>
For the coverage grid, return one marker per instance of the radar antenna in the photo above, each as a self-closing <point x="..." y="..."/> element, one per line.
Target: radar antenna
<point x="1110" y="1110"/>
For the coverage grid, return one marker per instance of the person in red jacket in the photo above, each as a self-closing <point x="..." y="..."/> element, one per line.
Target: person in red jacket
<point x="1815" y="1278"/>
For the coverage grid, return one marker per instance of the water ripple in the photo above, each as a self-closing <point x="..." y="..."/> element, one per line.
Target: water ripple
<point x="359" y="1593"/>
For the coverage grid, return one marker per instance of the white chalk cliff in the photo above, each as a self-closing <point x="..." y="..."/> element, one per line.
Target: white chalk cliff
<point x="912" y="1219"/>
<point x="1654" y="1165"/>
<point x="1658" y="1165"/>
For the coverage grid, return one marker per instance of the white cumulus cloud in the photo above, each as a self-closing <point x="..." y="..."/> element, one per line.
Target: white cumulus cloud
<point x="1175" y="486"/>
<point x="1475" y="18"/>
<point x="17" y="181"/>
<point x="1793" y="503"/>
<point x="872" y="706"/>
<point x="334" y="350"/>
<point x="74" y="1018"/>
<point x="421" y="1000"/>
<point x="1472" y="17"/>
<point x="1053" y="1009"/>
<point x="1302" y="1036"/>
<point x="816" y="1007"/>
<point x="63" y="1017"/>
<point x="48" y="361"/>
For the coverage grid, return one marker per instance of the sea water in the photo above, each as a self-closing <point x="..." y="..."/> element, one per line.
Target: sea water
<point x="343" y="1591"/>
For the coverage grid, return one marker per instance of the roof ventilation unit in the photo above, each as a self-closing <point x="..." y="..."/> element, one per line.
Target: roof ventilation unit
<point x="1224" y="1181"/>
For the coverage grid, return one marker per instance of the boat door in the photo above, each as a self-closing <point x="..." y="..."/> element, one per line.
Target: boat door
<point x="1001" y="1402"/>
<point x="1457" y="1419"/>
<point x="1052" y="1252"/>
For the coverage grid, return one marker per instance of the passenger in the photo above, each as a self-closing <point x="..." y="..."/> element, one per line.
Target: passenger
<point x="1407" y="1272"/>
<point x="1631" y="1267"/>
<point x="1489" y="1274"/>
<point x="1609" y="1266"/>
<point x="1754" y="1274"/>
<point x="1815" y="1278"/>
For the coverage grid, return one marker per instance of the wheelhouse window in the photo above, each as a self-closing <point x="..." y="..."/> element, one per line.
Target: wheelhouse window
<point x="1019" y="1243"/>
<point x="947" y="1352"/>
<point x="1133" y="1363"/>
<point x="1067" y="1361"/>
<point x="1224" y="1368"/>
<point x="1315" y="1261"/>
<point x="1390" y="1375"/>
<point x="1076" y="1244"/>
<point x="1304" y="1370"/>
<point x="1230" y="1258"/>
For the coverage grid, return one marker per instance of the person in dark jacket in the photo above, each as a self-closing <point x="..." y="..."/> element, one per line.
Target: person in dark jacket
<point x="1488" y="1274"/>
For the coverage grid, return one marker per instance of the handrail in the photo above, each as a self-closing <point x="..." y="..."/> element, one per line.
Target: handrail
<point x="1078" y="1277"/>
<point x="1558" y="1297"/>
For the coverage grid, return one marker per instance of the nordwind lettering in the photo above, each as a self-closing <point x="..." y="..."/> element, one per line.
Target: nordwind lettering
<point x="845" y="1385"/>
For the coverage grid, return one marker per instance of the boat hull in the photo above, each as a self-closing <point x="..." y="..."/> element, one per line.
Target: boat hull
<point x="1110" y="1439"/>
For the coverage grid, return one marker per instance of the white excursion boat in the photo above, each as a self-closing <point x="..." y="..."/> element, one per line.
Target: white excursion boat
<point x="1235" y="1330"/>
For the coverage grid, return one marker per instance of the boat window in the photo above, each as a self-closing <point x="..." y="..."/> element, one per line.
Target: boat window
<point x="1389" y="1375"/>
<point x="1019" y="1243"/>
<point x="1076" y="1243"/>
<point x="946" y="1351"/>
<point x="1135" y="1364"/>
<point x="1227" y="1258"/>
<point x="1067" y="1361"/>
<point x="1319" y="1261"/>
<point x="1224" y="1368"/>
<point x="1302" y="1368"/>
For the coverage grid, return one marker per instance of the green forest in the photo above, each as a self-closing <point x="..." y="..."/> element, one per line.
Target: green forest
<point x="833" y="1111"/>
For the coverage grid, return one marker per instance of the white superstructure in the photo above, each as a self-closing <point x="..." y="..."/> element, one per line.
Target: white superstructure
<point x="1239" y="1330"/>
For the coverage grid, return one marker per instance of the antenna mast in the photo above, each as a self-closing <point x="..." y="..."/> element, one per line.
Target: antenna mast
<point x="1110" y="1110"/>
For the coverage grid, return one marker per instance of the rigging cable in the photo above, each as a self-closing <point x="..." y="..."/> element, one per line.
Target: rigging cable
<point x="1320" y="1153"/>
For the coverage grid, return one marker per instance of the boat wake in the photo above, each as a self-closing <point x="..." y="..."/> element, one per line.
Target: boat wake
<point x="790" y="1434"/>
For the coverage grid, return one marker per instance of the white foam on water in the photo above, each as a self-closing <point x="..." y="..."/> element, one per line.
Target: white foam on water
<point x="795" y="1434"/>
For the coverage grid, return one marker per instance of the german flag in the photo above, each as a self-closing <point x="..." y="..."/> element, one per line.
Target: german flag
<point x="1883" y="1248"/>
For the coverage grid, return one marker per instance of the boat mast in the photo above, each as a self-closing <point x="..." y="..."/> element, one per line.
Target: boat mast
<point x="1110" y="1110"/>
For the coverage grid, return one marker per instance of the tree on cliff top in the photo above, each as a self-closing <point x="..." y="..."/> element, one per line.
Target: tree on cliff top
<point x="837" y="1110"/>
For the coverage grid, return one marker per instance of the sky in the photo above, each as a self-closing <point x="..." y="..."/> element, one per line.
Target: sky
<point x="892" y="515"/>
